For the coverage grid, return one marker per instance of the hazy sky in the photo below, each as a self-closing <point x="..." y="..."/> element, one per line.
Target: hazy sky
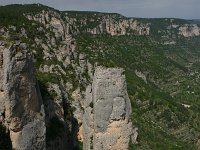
<point x="187" y="9"/>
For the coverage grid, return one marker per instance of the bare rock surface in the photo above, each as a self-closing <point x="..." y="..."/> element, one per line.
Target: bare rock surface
<point x="107" y="109"/>
<point x="21" y="104"/>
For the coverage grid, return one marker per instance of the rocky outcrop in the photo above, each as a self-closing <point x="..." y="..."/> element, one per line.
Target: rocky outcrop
<point x="21" y="104"/>
<point x="189" y="30"/>
<point x="135" y="136"/>
<point x="106" y="121"/>
<point x="120" y="27"/>
<point x="111" y="24"/>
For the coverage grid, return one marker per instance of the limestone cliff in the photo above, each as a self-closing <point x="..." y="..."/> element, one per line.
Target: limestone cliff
<point x="106" y="122"/>
<point x="21" y="109"/>
<point x="189" y="30"/>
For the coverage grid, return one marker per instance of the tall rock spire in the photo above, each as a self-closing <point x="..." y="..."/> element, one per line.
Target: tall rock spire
<point x="107" y="125"/>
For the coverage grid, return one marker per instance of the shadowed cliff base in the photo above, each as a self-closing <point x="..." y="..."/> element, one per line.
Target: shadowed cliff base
<point x="5" y="141"/>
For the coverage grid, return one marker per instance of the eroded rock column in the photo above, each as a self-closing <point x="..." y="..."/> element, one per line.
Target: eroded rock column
<point x="106" y="124"/>
<point x="23" y="107"/>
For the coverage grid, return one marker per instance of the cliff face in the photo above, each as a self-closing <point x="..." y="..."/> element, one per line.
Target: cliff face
<point x="22" y="109"/>
<point x="189" y="30"/>
<point x="106" y="122"/>
<point x="123" y="26"/>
